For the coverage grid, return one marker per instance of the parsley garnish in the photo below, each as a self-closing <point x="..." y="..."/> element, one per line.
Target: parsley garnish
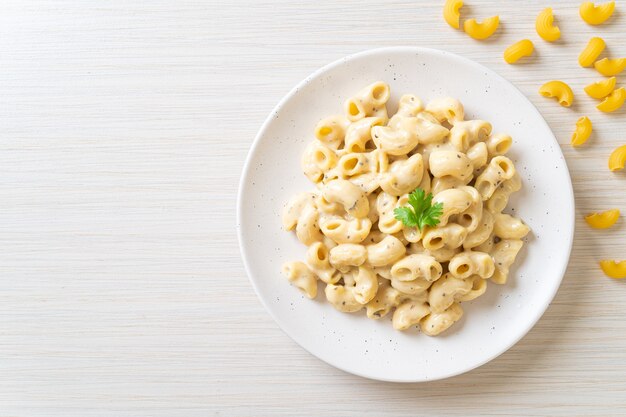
<point x="420" y="212"/>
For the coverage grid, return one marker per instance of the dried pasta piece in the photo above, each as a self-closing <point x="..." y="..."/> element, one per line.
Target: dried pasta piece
<point x="592" y="51"/>
<point x="518" y="50"/>
<point x="601" y="89"/>
<point x="610" y="67"/>
<point x="603" y="220"/>
<point x="617" y="160"/>
<point x="559" y="90"/>
<point x="545" y="26"/>
<point x="452" y="13"/>
<point x="595" y="15"/>
<point x="613" y="101"/>
<point x="614" y="269"/>
<point x="481" y="30"/>
<point x="582" y="132"/>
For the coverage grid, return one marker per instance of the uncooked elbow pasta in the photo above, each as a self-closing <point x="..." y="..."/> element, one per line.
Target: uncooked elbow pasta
<point x="559" y="90"/>
<point x="613" y="101"/>
<point x="617" y="159"/>
<point x="451" y="12"/>
<point x="364" y="164"/>
<point x="481" y="30"/>
<point x="603" y="220"/>
<point x="545" y="26"/>
<point x="596" y="15"/>
<point x="601" y="89"/>
<point x="518" y="50"/>
<point x="610" y="67"/>
<point x="592" y="51"/>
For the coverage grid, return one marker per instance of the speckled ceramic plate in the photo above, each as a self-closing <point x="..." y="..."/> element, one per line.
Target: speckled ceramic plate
<point x="492" y="323"/>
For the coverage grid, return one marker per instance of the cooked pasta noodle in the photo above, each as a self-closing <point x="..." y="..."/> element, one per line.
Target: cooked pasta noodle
<point x="366" y="167"/>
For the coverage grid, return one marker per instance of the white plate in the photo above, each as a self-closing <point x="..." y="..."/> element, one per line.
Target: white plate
<point x="492" y="323"/>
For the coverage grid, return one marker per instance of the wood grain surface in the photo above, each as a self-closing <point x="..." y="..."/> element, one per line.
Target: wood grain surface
<point x="123" y="131"/>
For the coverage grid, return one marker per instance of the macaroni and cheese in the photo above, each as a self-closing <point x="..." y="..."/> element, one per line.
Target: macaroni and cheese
<point x="369" y="167"/>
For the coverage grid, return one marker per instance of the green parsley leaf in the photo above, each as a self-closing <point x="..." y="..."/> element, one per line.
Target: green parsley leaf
<point x="420" y="213"/>
<point x="406" y="216"/>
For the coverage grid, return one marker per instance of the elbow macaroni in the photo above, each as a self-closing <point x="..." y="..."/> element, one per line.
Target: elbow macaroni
<point x="468" y="263"/>
<point x="446" y="291"/>
<point x="385" y="299"/>
<point x="317" y="260"/>
<point x="435" y="323"/>
<point x="506" y="226"/>
<point x="614" y="269"/>
<point x="409" y="314"/>
<point x="617" y="160"/>
<point x="364" y="165"/>
<point x="610" y="67"/>
<point x="385" y="252"/>
<point x="359" y="134"/>
<point x="446" y="109"/>
<point x="454" y="201"/>
<point x="466" y="133"/>
<point x="601" y="89"/>
<point x="351" y="197"/>
<point x="582" y="132"/>
<point x="341" y="230"/>
<point x="417" y="266"/>
<point x="451" y="12"/>
<point x="498" y="144"/>
<point x="518" y="50"/>
<point x="307" y="229"/>
<point x="500" y="198"/>
<point x="602" y="220"/>
<point x="481" y="30"/>
<point x="481" y="233"/>
<point x="301" y="277"/>
<point x="500" y="168"/>
<point x="545" y="26"/>
<point x="348" y="254"/>
<point x="293" y="209"/>
<point x="317" y="160"/>
<point x="450" y="236"/>
<point x="331" y="131"/>
<point x="403" y="176"/>
<point x="371" y="101"/>
<point x="613" y="101"/>
<point x="409" y="105"/>
<point x="479" y="155"/>
<point x="595" y="15"/>
<point x="592" y="51"/>
<point x="503" y="254"/>
<point x="450" y="164"/>
<point x="559" y="90"/>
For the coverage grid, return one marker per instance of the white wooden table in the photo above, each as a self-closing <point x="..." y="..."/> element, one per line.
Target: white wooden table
<point x="124" y="127"/>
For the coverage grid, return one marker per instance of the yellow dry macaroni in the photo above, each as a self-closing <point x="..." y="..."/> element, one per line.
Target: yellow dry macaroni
<point x="451" y="12"/>
<point x="601" y="89"/>
<point x="613" y="101"/>
<point x="582" y="132"/>
<point x="614" y="269"/>
<point x="518" y="50"/>
<point x="595" y="15"/>
<point x="592" y="51"/>
<point x="481" y="30"/>
<point x="364" y="164"/>
<point x="617" y="160"/>
<point x="603" y="220"/>
<point x="559" y="90"/>
<point x="610" y="67"/>
<point x="545" y="26"/>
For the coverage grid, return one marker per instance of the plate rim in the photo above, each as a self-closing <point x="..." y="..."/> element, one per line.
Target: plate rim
<point x="408" y="49"/>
